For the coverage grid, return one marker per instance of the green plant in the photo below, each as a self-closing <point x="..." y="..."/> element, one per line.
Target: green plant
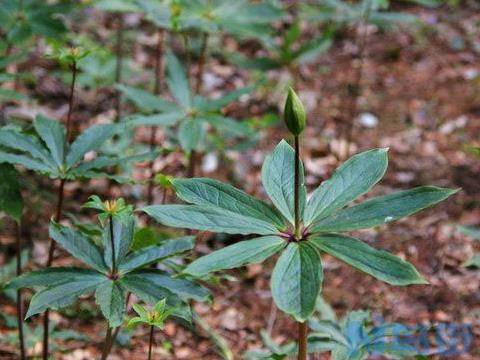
<point x="154" y="318"/>
<point x="301" y="230"/>
<point x="193" y="114"/>
<point x="474" y="233"/>
<point x="291" y="53"/>
<point x="22" y="19"/>
<point x="112" y="271"/>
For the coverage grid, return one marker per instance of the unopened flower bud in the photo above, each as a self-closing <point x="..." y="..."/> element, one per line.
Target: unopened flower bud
<point x="294" y="113"/>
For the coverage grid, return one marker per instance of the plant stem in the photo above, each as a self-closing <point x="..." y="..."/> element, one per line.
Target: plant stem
<point x="107" y="343"/>
<point x="58" y="211"/>
<point x="159" y="64"/>
<point x="302" y="326"/>
<point x="150" y="342"/>
<point x="21" y="340"/>
<point x="302" y="340"/>
<point x="117" y="329"/>
<point x="112" y="244"/>
<point x="296" y="189"/>
<point x="118" y="66"/>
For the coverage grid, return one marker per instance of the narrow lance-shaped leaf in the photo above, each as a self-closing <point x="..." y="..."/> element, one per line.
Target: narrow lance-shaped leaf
<point x="25" y="161"/>
<point x="154" y="253"/>
<point x="236" y="255"/>
<point x="78" y="246"/>
<point x="91" y="139"/>
<point x="53" y="134"/>
<point x="353" y="178"/>
<point x="382" y="209"/>
<point x="278" y="175"/>
<point x="184" y="288"/>
<point x="378" y="263"/>
<point x="209" y="219"/>
<point x="177" y="81"/>
<point x="146" y="101"/>
<point x="61" y="295"/>
<point x="52" y="276"/>
<point x="296" y="280"/>
<point x="110" y="296"/>
<point x="26" y="144"/>
<point x="203" y="191"/>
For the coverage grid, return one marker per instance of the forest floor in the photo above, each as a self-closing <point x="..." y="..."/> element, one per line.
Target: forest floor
<point x="423" y="87"/>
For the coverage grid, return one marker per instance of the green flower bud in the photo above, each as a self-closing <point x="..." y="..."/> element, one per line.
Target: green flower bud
<point x="294" y="113"/>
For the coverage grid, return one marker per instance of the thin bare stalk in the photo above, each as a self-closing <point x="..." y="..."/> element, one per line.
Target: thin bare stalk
<point x="107" y="343"/>
<point x="21" y="339"/>
<point x="296" y="190"/>
<point x="186" y="46"/>
<point x="302" y="326"/>
<point x="302" y="340"/>
<point x="59" y="208"/>
<point x="118" y="66"/>
<point x="354" y="90"/>
<point x="117" y="329"/>
<point x="150" y="342"/>
<point x="158" y="86"/>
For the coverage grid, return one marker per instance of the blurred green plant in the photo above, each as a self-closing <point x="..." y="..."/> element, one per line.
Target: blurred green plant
<point x="474" y="233"/>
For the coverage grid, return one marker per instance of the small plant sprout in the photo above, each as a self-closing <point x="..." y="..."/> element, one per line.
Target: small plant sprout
<point x="300" y="230"/>
<point x="154" y="318"/>
<point x="113" y="270"/>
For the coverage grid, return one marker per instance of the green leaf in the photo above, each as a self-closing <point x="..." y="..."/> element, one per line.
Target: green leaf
<point x="25" y="161"/>
<point x="177" y="81"/>
<point x="227" y="99"/>
<point x="228" y="125"/>
<point x="11" y="202"/>
<point x="110" y="296"/>
<point x="472" y="231"/>
<point x="61" y="295"/>
<point x="383" y="209"/>
<point x="147" y="101"/>
<point x="90" y="139"/>
<point x="278" y="177"/>
<point x="309" y="51"/>
<point x="16" y="141"/>
<point x="155" y="253"/>
<point x="146" y="290"/>
<point x="297" y="279"/>
<point x="78" y="246"/>
<point x="184" y="288"/>
<point x="378" y="263"/>
<point x="209" y="219"/>
<point x="244" y="252"/>
<point x="53" y="135"/>
<point x="52" y="276"/>
<point x="191" y="134"/>
<point x="203" y="191"/>
<point x="163" y="120"/>
<point x="352" y="179"/>
<point x="123" y="237"/>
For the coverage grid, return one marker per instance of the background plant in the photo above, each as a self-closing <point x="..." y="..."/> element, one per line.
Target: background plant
<point x="113" y="271"/>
